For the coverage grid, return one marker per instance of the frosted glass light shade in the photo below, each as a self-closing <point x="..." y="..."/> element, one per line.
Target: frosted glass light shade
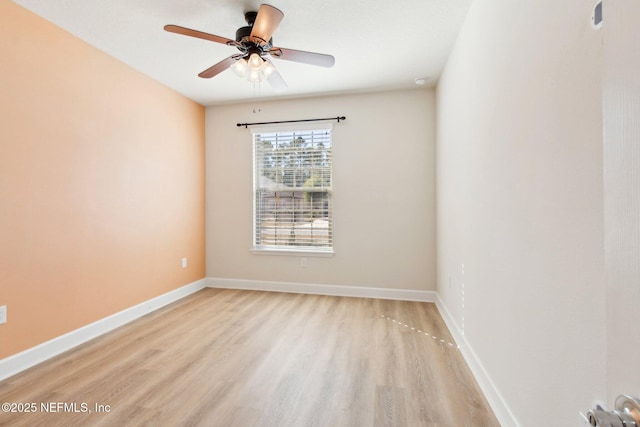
<point x="240" y="67"/>
<point x="268" y="69"/>
<point x="255" y="62"/>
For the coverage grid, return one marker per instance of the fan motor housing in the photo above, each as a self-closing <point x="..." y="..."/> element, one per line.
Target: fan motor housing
<point x="243" y="36"/>
<point x="243" y="33"/>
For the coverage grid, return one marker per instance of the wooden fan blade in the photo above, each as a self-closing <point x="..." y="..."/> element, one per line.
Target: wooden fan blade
<point x="312" y="58"/>
<point x="218" y="68"/>
<point x="265" y="24"/>
<point x="274" y="78"/>
<point x="199" y="34"/>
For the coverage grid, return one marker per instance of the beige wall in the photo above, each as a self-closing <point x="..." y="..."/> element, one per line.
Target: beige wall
<point x="384" y="192"/>
<point x="621" y="80"/>
<point x="101" y="183"/>
<point x="520" y="202"/>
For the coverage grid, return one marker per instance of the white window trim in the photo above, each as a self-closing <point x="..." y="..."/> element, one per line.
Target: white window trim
<point x="294" y="252"/>
<point x="266" y="250"/>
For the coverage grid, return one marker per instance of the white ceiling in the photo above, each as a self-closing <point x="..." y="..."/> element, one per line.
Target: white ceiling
<point x="377" y="44"/>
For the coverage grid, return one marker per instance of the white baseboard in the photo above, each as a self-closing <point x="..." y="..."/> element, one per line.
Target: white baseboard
<point x="314" y="289"/>
<point x="30" y="357"/>
<point x="495" y="399"/>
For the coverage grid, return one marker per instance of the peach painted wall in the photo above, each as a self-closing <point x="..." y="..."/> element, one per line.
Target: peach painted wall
<point x="101" y="183"/>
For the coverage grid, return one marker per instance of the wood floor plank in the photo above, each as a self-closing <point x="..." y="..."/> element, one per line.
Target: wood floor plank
<point x="248" y="358"/>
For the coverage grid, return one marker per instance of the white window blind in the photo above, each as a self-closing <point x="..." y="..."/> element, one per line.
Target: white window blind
<point x="292" y="190"/>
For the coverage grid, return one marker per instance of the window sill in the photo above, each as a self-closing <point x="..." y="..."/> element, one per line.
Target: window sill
<point x="293" y="252"/>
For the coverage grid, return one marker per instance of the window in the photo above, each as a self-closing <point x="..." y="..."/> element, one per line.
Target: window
<point x="292" y="191"/>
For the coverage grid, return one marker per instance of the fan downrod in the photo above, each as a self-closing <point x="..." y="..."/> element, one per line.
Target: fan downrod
<point x="250" y="17"/>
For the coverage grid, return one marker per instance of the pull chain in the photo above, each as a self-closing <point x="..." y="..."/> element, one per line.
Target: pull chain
<point x="256" y="97"/>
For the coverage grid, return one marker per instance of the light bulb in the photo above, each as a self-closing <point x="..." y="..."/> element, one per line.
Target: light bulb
<point x="240" y="67"/>
<point x="255" y="62"/>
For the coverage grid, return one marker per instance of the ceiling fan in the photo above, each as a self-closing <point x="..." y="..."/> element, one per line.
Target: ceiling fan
<point x="254" y="42"/>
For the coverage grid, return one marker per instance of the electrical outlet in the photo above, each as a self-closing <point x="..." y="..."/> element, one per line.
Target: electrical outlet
<point x="3" y="314"/>
<point x="184" y="262"/>
<point x="303" y="262"/>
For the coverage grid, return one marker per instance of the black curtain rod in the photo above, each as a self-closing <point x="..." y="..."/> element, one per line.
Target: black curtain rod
<point x="292" y="121"/>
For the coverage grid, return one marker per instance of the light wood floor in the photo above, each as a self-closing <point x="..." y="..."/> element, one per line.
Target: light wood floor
<point x="244" y="358"/>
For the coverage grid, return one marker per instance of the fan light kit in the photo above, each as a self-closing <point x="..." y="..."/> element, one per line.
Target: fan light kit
<point x="254" y="42"/>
